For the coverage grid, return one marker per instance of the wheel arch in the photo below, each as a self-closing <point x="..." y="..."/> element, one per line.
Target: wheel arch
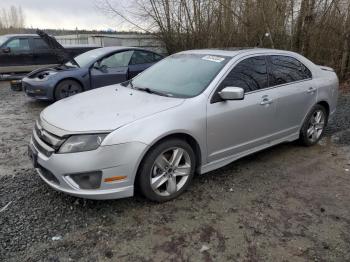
<point x="180" y="135"/>
<point x="68" y="78"/>
<point x="325" y="104"/>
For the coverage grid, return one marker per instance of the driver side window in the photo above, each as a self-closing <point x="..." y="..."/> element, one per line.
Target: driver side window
<point x="116" y="60"/>
<point x="249" y="74"/>
<point x="18" y="44"/>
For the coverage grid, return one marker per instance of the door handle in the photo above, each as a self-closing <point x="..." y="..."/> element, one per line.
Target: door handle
<point x="266" y="101"/>
<point x="311" y="90"/>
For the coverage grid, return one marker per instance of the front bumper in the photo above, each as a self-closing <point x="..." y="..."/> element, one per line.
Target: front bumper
<point x="115" y="160"/>
<point x="41" y="90"/>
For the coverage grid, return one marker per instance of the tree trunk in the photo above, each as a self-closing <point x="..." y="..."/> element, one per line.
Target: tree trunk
<point x="308" y="24"/>
<point x="346" y="46"/>
<point x="299" y="26"/>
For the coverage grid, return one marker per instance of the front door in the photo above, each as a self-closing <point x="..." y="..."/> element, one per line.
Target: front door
<point x="236" y="126"/>
<point x="17" y="53"/>
<point x="112" y="69"/>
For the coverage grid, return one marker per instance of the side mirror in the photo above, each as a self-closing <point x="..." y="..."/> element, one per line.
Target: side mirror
<point x="232" y="93"/>
<point x="6" y="50"/>
<point x="96" y="66"/>
<point x="102" y="68"/>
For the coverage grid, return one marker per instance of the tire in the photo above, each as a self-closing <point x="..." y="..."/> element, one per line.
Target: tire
<point x="313" y="129"/>
<point x="159" y="170"/>
<point x="67" y="88"/>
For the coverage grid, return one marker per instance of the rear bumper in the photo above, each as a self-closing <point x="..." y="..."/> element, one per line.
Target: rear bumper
<point x="41" y="90"/>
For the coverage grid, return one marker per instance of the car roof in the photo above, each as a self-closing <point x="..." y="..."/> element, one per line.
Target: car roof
<point x="231" y="52"/>
<point x="13" y="35"/>
<point x="105" y="51"/>
<point x="119" y="48"/>
<point x="111" y="49"/>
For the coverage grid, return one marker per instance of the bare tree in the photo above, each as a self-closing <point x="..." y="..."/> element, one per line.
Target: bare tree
<point x="11" y="19"/>
<point x="319" y="29"/>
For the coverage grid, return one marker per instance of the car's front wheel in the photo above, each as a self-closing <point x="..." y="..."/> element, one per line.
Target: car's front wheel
<point x="314" y="125"/>
<point x="67" y="88"/>
<point x="167" y="170"/>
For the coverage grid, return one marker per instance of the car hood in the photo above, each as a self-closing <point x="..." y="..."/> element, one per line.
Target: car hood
<point x="42" y="72"/>
<point x="104" y="109"/>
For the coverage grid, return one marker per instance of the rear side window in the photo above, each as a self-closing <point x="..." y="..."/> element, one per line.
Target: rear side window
<point x="286" y="69"/>
<point x="18" y="44"/>
<point x="250" y="74"/>
<point x="40" y="44"/>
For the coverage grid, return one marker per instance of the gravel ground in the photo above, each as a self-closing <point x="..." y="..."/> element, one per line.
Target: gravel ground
<point x="287" y="203"/>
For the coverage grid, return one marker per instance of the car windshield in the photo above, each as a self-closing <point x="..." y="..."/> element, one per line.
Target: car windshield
<point x="3" y="39"/>
<point x="181" y="75"/>
<point x="86" y="58"/>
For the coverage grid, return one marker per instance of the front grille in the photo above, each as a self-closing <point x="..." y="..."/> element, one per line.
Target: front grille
<point x="44" y="141"/>
<point x="41" y="148"/>
<point x="50" y="139"/>
<point x="48" y="175"/>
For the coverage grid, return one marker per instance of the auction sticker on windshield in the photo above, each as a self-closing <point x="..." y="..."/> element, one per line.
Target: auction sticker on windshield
<point x="212" y="58"/>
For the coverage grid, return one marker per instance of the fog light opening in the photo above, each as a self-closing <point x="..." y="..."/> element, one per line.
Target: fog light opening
<point x="90" y="180"/>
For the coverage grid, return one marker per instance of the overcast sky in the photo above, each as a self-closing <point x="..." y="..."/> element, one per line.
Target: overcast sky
<point x="64" y="14"/>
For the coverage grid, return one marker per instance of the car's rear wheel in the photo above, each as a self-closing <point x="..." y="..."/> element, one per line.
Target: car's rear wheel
<point x="67" y="88"/>
<point x="314" y="125"/>
<point x="167" y="170"/>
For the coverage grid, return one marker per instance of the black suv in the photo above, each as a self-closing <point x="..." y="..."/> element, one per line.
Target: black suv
<point x="22" y="53"/>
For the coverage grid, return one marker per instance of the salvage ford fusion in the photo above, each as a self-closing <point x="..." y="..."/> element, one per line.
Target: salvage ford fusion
<point x="194" y="111"/>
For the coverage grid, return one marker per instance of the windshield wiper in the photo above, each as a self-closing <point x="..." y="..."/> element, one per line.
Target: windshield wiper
<point x="150" y="91"/>
<point x="145" y="89"/>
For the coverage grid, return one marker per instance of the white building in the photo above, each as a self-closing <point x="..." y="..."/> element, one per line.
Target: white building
<point x="135" y="40"/>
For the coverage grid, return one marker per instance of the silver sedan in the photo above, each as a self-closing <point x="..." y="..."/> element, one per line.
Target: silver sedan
<point x="192" y="112"/>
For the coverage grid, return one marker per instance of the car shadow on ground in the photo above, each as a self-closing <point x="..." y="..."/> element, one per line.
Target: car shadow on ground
<point x="32" y="103"/>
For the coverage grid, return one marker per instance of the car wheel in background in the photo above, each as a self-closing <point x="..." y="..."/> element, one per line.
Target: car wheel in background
<point x="167" y="170"/>
<point x="67" y="88"/>
<point x="314" y="125"/>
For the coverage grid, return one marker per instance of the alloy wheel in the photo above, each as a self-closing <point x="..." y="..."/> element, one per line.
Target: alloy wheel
<point x="316" y="126"/>
<point x="170" y="171"/>
<point x="69" y="90"/>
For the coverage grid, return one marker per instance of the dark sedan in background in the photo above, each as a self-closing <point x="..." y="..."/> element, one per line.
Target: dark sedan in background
<point x="95" y="68"/>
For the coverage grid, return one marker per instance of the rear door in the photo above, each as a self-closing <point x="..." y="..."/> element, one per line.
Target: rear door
<point x="17" y="52"/>
<point x="236" y="126"/>
<point x="112" y="69"/>
<point x="295" y="89"/>
<point x="43" y="54"/>
<point x="141" y="60"/>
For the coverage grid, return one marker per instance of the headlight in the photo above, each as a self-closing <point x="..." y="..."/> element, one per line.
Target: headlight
<point x="80" y="143"/>
<point x="45" y="75"/>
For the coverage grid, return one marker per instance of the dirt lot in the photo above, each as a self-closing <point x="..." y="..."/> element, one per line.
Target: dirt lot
<point x="288" y="203"/>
